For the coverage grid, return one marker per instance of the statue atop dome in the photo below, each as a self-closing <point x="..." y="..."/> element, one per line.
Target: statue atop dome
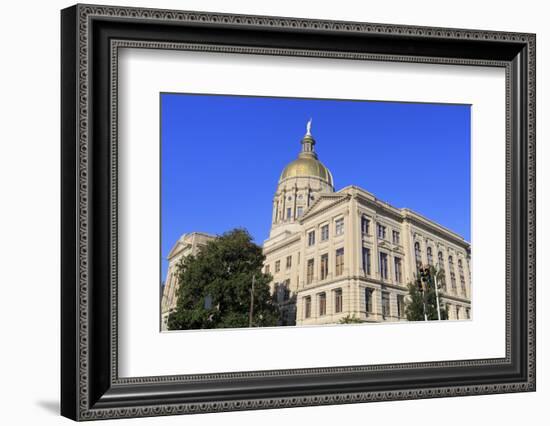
<point x="307" y="165"/>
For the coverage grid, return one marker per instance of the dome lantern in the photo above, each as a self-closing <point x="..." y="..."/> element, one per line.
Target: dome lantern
<point x="307" y="163"/>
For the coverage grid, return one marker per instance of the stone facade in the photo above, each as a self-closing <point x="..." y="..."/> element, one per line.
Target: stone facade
<point x="348" y="254"/>
<point x="188" y="244"/>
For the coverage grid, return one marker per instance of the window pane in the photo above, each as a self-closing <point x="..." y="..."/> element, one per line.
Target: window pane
<point x="311" y="238"/>
<point x="338" y="301"/>
<point x="384" y="266"/>
<point x="324" y="266"/>
<point x="322" y="304"/>
<point x="339" y="227"/>
<point x="368" y="299"/>
<point x="309" y="275"/>
<point x="385" y="304"/>
<point x="307" y="309"/>
<point x="339" y="261"/>
<point x="398" y="272"/>
<point x="366" y="260"/>
<point x="324" y="232"/>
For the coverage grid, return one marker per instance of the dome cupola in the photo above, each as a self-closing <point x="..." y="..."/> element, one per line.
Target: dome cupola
<point x="300" y="183"/>
<point x="307" y="164"/>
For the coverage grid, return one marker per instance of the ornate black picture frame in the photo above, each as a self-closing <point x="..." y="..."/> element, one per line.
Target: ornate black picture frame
<point x="91" y="388"/>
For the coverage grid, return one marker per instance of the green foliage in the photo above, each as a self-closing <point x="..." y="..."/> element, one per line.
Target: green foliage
<point x="417" y="300"/>
<point x="215" y="285"/>
<point x="350" y="319"/>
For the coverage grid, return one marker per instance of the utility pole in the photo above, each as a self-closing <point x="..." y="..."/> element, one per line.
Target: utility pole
<point x="423" y="289"/>
<point x="251" y="312"/>
<point x="424" y="305"/>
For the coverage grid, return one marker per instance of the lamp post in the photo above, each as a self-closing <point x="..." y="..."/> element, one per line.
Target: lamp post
<point x="423" y="288"/>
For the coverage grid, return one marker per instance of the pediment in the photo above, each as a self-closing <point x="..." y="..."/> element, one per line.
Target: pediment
<point x="178" y="247"/>
<point x="324" y="202"/>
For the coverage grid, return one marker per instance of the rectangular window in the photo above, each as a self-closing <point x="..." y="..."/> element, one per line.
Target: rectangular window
<point x="453" y="280"/>
<point x="324" y="266"/>
<point x="384" y="266"/>
<point x="339" y="227"/>
<point x="299" y="211"/>
<point x="339" y="261"/>
<point x="307" y="306"/>
<point x="381" y="230"/>
<point x="430" y="256"/>
<point x="311" y="238"/>
<point x="279" y="292"/>
<point x="457" y="312"/>
<point x="267" y="269"/>
<point x="400" y="305"/>
<point x="322" y="304"/>
<point x="396" y="237"/>
<point x="288" y="213"/>
<point x="385" y="304"/>
<point x="277" y="266"/>
<point x="398" y="270"/>
<point x="286" y="290"/>
<point x="366" y="260"/>
<point x="369" y="293"/>
<point x="324" y="232"/>
<point x="309" y="273"/>
<point x="288" y="262"/>
<point x="365" y="224"/>
<point x="467" y="313"/>
<point x="338" y="300"/>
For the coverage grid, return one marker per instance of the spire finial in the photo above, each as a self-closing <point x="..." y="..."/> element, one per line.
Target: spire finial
<point x="308" y="127"/>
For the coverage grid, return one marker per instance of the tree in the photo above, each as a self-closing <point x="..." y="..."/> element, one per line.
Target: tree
<point x="419" y="300"/>
<point x="215" y="286"/>
<point x="350" y="319"/>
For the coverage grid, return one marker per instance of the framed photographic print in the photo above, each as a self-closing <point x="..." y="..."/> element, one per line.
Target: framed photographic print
<point x="263" y="212"/>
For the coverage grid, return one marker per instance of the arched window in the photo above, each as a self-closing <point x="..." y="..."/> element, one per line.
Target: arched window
<point x="417" y="254"/>
<point x="440" y="261"/>
<point x="461" y="276"/>
<point x="452" y="270"/>
<point x="430" y="256"/>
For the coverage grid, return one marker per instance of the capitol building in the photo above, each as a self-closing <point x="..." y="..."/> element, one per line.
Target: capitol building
<point x="344" y="254"/>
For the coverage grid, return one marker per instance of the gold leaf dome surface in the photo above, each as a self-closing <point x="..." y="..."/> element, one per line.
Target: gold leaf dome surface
<point x="307" y="166"/>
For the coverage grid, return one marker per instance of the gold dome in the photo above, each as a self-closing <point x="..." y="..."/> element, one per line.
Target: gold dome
<point x="307" y="163"/>
<point x="307" y="166"/>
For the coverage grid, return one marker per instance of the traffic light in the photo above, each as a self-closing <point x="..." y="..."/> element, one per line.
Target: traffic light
<point x="424" y="277"/>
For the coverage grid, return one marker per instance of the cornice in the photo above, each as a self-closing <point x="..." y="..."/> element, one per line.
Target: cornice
<point x="310" y="213"/>
<point x="283" y="243"/>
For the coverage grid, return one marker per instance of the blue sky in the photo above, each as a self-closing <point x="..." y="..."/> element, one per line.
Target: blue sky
<point x="230" y="150"/>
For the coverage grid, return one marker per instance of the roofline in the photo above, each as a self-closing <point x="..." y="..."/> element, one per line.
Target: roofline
<point x="404" y="212"/>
